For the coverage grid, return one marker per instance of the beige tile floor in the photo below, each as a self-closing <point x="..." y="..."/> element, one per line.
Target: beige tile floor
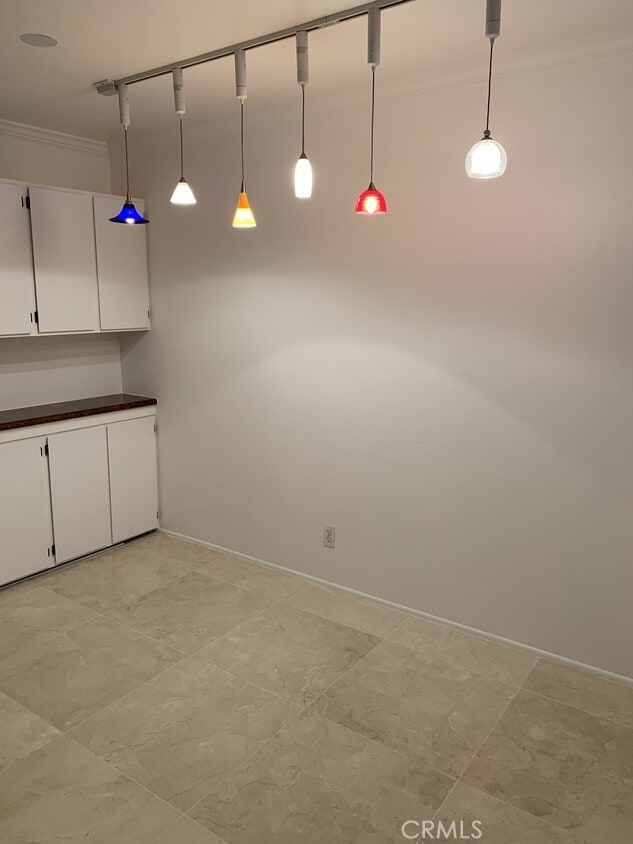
<point x="162" y="692"/>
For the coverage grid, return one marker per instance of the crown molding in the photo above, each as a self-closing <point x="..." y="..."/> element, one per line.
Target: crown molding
<point x="48" y="137"/>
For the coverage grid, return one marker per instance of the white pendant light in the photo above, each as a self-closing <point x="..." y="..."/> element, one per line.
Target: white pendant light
<point x="182" y="194"/>
<point x="303" y="168"/>
<point x="487" y="159"/>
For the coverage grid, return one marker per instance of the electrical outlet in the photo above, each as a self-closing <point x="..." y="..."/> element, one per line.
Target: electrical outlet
<point x="329" y="536"/>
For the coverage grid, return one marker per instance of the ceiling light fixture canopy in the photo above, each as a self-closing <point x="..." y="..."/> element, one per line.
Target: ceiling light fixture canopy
<point x="487" y="159"/>
<point x="371" y="201"/>
<point x="244" y="217"/>
<point x="128" y="213"/>
<point x="35" y="39"/>
<point x="303" y="168"/>
<point x="182" y="193"/>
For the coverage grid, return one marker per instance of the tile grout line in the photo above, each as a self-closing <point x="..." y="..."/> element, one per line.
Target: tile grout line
<point x="193" y="821"/>
<point x="345" y="673"/>
<point x="105" y="614"/>
<point x="101" y="614"/>
<point x="548" y="823"/>
<point x="444" y="801"/>
<point x="147" y="788"/>
<point x="64" y="736"/>
<point x="174" y="665"/>
<point x="119" y="699"/>
<point x="462" y="665"/>
<point x="494" y="797"/>
<point x="270" y="691"/>
<point x="287" y="602"/>
<point x="131" y="779"/>
<point x="478" y="750"/>
<point x="286" y="599"/>
<point x="571" y="705"/>
<point x="246" y="759"/>
<point x="301" y="712"/>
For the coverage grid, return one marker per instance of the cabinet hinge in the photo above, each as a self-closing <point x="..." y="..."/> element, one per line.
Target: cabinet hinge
<point x="157" y="514"/>
<point x="155" y="427"/>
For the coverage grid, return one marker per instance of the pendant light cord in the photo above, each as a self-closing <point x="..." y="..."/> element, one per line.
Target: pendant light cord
<point x="127" y="169"/>
<point x="487" y="130"/>
<point x="182" y="160"/>
<point x="242" y="139"/>
<point x="303" y="120"/>
<point x="373" y="111"/>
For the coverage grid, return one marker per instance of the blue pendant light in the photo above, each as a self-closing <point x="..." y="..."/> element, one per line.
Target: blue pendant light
<point x="128" y="213"/>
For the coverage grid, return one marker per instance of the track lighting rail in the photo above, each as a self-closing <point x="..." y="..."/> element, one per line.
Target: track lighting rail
<point x="108" y="86"/>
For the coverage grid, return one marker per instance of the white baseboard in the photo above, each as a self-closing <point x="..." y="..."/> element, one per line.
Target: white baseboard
<point x="472" y="631"/>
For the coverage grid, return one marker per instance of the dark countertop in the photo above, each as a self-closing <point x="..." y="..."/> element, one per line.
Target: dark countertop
<point x="22" y="417"/>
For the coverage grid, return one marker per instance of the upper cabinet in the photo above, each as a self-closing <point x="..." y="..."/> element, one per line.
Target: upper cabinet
<point x="64" y="268"/>
<point x="17" y="296"/>
<point x="64" y="254"/>
<point x="121" y="269"/>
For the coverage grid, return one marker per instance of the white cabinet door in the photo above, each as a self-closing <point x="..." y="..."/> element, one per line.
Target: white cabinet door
<point x="121" y="269"/>
<point x="80" y="492"/>
<point x="26" y="533"/>
<point x="133" y="477"/>
<point x="62" y="226"/>
<point x="17" y="293"/>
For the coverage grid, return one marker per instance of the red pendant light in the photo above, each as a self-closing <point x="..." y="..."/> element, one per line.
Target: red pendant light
<point x="372" y="201"/>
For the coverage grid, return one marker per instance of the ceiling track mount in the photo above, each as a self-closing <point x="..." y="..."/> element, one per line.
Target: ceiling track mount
<point x="108" y="87"/>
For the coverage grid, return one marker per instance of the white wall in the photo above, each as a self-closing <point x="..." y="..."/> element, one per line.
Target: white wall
<point x="38" y="370"/>
<point x="450" y="386"/>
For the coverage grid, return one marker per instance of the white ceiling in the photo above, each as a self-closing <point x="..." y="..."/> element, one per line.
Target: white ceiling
<point x="422" y="41"/>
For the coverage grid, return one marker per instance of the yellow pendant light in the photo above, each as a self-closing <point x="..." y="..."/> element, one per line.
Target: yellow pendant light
<point x="244" y="217"/>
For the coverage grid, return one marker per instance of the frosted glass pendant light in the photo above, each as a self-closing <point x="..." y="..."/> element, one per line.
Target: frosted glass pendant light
<point x="303" y="168"/>
<point x="182" y="194"/>
<point x="244" y="217"/>
<point x="371" y="201"/>
<point x="487" y="159"/>
<point x="128" y="213"/>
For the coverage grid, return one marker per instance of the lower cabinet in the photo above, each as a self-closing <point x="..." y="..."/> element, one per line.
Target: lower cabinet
<point x="80" y="492"/>
<point x="26" y="530"/>
<point x="74" y="492"/>
<point x="133" y="477"/>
